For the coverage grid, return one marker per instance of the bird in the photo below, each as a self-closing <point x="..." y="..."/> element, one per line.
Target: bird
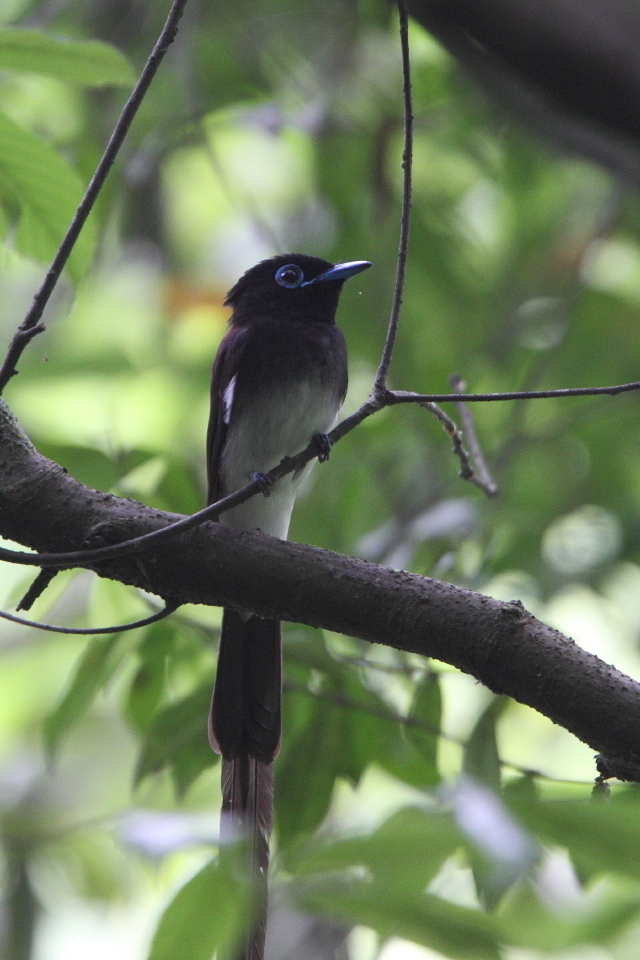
<point x="278" y="381"/>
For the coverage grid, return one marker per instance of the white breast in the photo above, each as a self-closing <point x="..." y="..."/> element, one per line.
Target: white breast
<point x="279" y="426"/>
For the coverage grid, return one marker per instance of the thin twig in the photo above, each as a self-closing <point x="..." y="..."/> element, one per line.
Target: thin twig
<point x="484" y="479"/>
<point x="31" y="324"/>
<point x="405" y="396"/>
<point x="380" y="382"/>
<point x="38" y="587"/>
<point x="457" y="446"/>
<point x="88" y="631"/>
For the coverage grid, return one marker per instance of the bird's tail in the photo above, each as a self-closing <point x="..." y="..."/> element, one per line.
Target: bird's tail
<point x="247" y="799"/>
<point x="244" y="726"/>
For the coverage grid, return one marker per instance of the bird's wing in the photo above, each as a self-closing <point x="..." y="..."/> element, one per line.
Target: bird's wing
<point x="223" y="379"/>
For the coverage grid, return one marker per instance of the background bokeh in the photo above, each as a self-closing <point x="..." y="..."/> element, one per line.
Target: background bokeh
<point x="277" y="127"/>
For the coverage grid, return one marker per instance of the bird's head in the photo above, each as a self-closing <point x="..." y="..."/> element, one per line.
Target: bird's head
<point x="292" y="286"/>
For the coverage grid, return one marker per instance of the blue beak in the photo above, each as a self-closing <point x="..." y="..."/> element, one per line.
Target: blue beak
<point x="341" y="271"/>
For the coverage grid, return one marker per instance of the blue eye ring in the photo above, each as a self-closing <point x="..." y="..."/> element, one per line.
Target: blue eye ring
<point x="290" y="276"/>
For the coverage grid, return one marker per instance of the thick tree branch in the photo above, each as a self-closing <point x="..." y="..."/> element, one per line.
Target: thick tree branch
<point x="501" y="644"/>
<point x="566" y="67"/>
<point x="583" y="54"/>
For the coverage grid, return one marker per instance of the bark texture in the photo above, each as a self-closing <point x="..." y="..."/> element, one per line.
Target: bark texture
<point x="500" y="644"/>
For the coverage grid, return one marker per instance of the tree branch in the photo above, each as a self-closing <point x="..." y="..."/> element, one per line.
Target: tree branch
<point x="405" y="216"/>
<point x="31" y="325"/>
<point x="458" y="449"/>
<point x="406" y="396"/>
<point x="92" y="631"/>
<point x="483" y="478"/>
<point x="500" y="644"/>
<point x="513" y="48"/>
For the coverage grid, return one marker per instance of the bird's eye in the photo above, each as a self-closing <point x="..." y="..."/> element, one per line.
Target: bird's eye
<point x="290" y="276"/>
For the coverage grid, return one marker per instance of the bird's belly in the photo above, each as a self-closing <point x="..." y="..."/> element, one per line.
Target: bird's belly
<point x="263" y="433"/>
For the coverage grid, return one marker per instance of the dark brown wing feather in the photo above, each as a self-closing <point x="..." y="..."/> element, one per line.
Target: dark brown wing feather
<point x="224" y="370"/>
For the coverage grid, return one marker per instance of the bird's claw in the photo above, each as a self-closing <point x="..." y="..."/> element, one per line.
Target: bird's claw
<point x="323" y="445"/>
<point x="263" y="482"/>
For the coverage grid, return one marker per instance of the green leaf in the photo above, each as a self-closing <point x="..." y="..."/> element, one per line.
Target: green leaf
<point x="95" y="667"/>
<point x="145" y="694"/>
<point x="359" y="728"/>
<point x="86" y="62"/>
<point x="455" y="931"/>
<point x="406" y="851"/>
<point x="372" y="733"/>
<point x="528" y="923"/>
<point x="600" y="837"/>
<point x="482" y="764"/>
<point x="148" y="684"/>
<point x="92" y="863"/>
<point x="33" y="238"/>
<point x="177" y="739"/>
<point x="501" y="852"/>
<point x="521" y="788"/>
<point x="49" y="192"/>
<point x="355" y="731"/>
<point x="206" y="915"/>
<point x="426" y="710"/>
<point x="305" y="773"/>
<point x="481" y="758"/>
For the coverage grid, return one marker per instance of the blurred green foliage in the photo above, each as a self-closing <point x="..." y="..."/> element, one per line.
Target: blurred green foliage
<point x="275" y="127"/>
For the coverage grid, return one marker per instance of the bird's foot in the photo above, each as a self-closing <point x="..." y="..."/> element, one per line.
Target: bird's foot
<point x="323" y="445"/>
<point x="263" y="482"/>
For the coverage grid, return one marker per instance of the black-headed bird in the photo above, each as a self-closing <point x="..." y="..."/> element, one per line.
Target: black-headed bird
<point x="278" y="381"/>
